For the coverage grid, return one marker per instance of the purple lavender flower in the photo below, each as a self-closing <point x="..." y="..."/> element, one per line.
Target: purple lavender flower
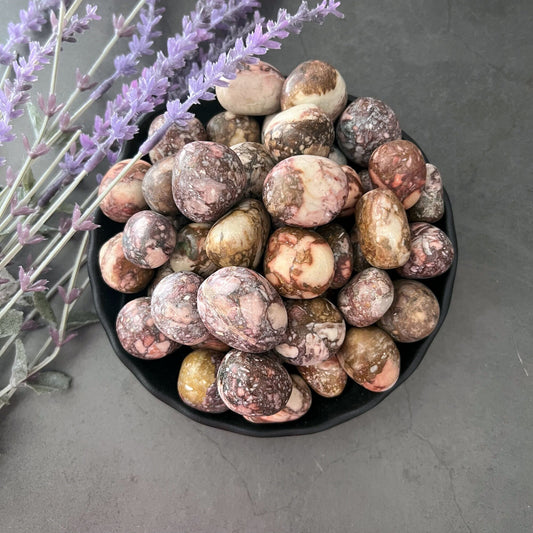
<point x="87" y="225"/>
<point x="24" y="236"/>
<point x="54" y="335"/>
<point x="70" y="296"/>
<point x="25" y="281"/>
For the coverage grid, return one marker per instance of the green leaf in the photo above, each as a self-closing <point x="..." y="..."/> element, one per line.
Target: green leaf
<point x="19" y="371"/>
<point x="28" y="181"/>
<point x="36" y="117"/>
<point x="44" y="308"/>
<point x="48" y="381"/>
<point x="11" y="323"/>
<point x="68" y="209"/>
<point x="80" y="319"/>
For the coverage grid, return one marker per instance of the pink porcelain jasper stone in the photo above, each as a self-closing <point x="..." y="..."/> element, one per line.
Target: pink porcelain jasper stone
<point x="430" y="205"/>
<point x="241" y="308"/>
<point x="363" y="126"/>
<point x="299" y="403"/>
<point x="327" y="378"/>
<point x="138" y="334"/>
<point x="431" y="252"/>
<point x="253" y="384"/>
<point x="157" y="187"/>
<point x="355" y="191"/>
<point x="341" y="246"/>
<point x="208" y="178"/>
<point x="126" y="197"/>
<point x="303" y="129"/>
<point x="399" y="166"/>
<point x="256" y="90"/>
<point x="175" y="311"/>
<point x="148" y="239"/>
<point x="315" y="82"/>
<point x="299" y="263"/>
<point x="228" y="128"/>
<point x="305" y="191"/>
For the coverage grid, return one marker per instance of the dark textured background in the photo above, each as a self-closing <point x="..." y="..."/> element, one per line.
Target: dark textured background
<point x="448" y="451"/>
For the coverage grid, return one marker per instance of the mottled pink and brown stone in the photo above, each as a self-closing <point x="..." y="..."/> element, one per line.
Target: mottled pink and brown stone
<point x="363" y="126"/>
<point x="303" y="129"/>
<point x="305" y="191"/>
<point x="366" y="297"/>
<point x="430" y="205"/>
<point x="162" y="272"/>
<point x="197" y="381"/>
<point x="341" y="246"/>
<point x="432" y="252"/>
<point x="176" y="137"/>
<point x="316" y="331"/>
<point x="255" y="91"/>
<point x="315" y="82"/>
<point x="175" y="311"/>
<point x="257" y="163"/>
<point x="208" y="178"/>
<point x="414" y="312"/>
<point x="371" y="358"/>
<point x="327" y="378"/>
<point x="299" y="403"/>
<point x="148" y="239"/>
<point x="399" y="166"/>
<point x="299" y="263"/>
<point x="212" y="343"/>
<point x="241" y="308"/>
<point x="119" y="273"/>
<point x="138" y="334"/>
<point x="189" y="253"/>
<point x="157" y="187"/>
<point x="383" y="230"/>
<point x="228" y="128"/>
<point x="126" y="197"/>
<point x="359" y="260"/>
<point x="355" y="191"/>
<point x="253" y="384"/>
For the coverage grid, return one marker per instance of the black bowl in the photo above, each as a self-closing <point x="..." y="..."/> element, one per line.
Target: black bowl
<point x="160" y="376"/>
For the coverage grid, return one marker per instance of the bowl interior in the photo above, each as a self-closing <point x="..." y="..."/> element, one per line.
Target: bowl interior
<point x="160" y="376"/>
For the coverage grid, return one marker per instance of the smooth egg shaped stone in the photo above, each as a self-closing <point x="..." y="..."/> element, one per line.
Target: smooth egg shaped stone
<point x="138" y="334"/>
<point x="240" y="236"/>
<point x="359" y="260"/>
<point x="366" y="297"/>
<point x="371" y="358"/>
<point x="363" y="126"/>
<point x="355" y="191"/>
<point x="255" y="91"/>
<point x="253" y="384"/>
<point x="383" y="230"/>
<point x="316" y="331"/>
<point x="315" y="82"/>
<point x="228" y="128"/>
<point x="430" y="205"/>
<point x="299" y="263"/>
<point x="197" y="381"/>
<point x="399" y="166"/>
<point x="157" y="187"/>
<point x="305" y="191"/>
<point x="432" y="252"/>
<point x="257" y="163"/>
<point x="189" y="253"/>
<point x="119" y="273"/>
<point x="162" y="272"/>
<point x="299" y="403"/>
<point x="126" y="197"/>
<point x="241" y="308"/>
<point x="341" y="246"/>
<point x="176" y="137"/>
<point x="414" y="312"/>
<point x="148" y="239"/>
<point x="212" y="343"/>
<point x="327" y="379"/>
<point x="301" y="130"/>
<point x="175" y="311"/>
<point x="208" y="178"/>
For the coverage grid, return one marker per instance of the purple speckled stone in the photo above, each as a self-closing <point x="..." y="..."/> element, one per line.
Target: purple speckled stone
<point x="430" y="205"/>
<point x="157" y="187"/>
<point x="242" y="309"/>
<point x="253" y="384"/>
<point x="174" y="308"/>
<point x="148" y="239"/>
<point x="208" y="178"/>
<point x="138" y="334"/>
<point x="431" y="252"/>
<point x="305" y="191"/>
<point x="363" y="126"/>
<point x="341" y="246"/>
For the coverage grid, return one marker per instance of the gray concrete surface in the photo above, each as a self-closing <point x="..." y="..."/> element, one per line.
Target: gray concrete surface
<point x="450" y="451"/>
